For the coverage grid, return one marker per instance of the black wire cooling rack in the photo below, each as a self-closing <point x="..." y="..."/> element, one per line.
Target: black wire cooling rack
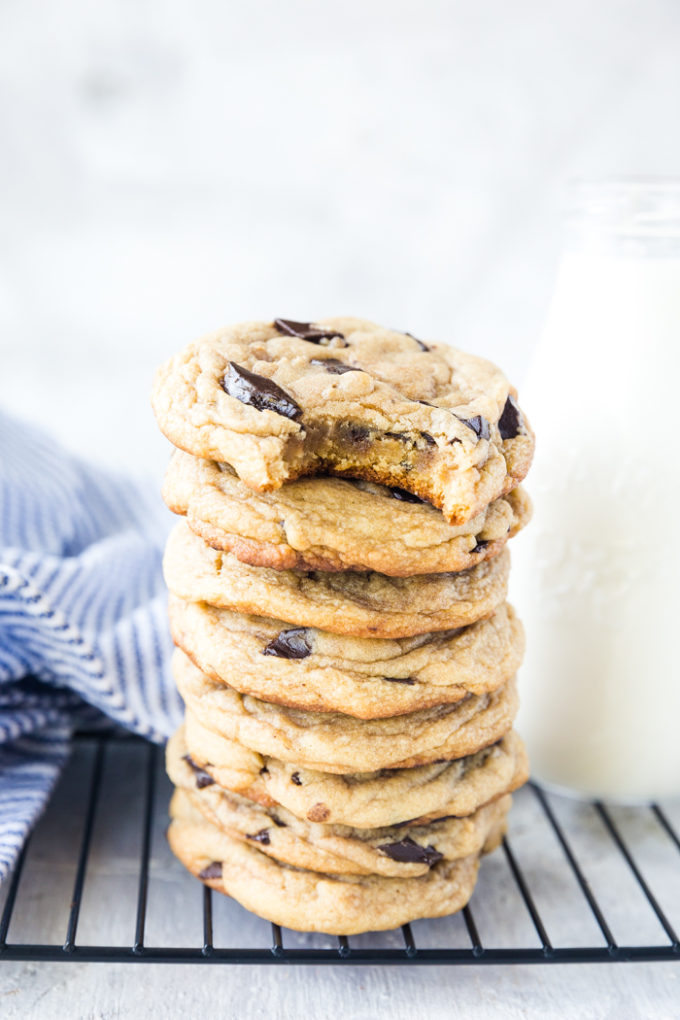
<point x="549" y="869"/>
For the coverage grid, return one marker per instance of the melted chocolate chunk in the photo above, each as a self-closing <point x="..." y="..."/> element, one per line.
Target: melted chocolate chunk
<point x="307" y="331"/>
<point x="260" y="837"/>
<point x="408" y="851"/>
<point x="358" y="433"/>
<point x="334" y="366"/>
<point x="263" y="394"/>
<point x="412" y="439"/>
<point x="202" y="777"/>
<point x="510" y="423"/>
<point x="400" y="680"/>
<point x="295" y="778"/>
<point x="478" y="424"/>
<point x="404" y="496"/>
<point x="420" y="343"/>
<point x="213" y="870"/>
<point x="289" y="644"/>
<point x="278" y="822"/>
<point x="481" y="544"/>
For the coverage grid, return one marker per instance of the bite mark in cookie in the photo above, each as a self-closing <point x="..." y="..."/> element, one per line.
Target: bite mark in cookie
<point x="383" y="407"/>
<point x="334" y="524"/>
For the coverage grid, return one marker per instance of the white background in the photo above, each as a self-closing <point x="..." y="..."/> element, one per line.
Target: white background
<point x="170" y="167"/>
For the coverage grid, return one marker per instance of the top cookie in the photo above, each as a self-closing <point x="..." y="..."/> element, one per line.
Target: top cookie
<point x="281" y="400"/>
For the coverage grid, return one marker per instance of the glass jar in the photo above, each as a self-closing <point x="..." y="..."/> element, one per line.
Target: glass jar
<point x="597" y="574"/>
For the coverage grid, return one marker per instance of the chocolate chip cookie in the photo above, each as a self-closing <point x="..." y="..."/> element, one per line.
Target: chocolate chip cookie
<point x="393" y="851"/>
<point x="359" y="799"/>
<point x="334" y="523"/>
<point x="309" y="900"/>
<point x="360" y="604"/>
<point x="369" y="678"/>
<point x="333" y="742"/>
<point x="343" y="396"/>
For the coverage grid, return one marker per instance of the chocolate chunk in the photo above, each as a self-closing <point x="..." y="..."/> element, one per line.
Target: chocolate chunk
<point x="404" y="496"/>
<point x="263" y="394"/>
<point x="408" y="851"/>
<point x="334" y="366"/>
<point x="400" y="680"/>
<point x="420" y="343"/>
<point x="478" y="424"/>
<point x="295" y="778"/>
<point x="481" y="544"/>
<point x="213" y="870"/>
<point x="412" y="439"/>
<point x="260" y="837"/>
<point x="202" y="777"/>
<point x="307" y="331"/>
<point x="358" y="433"/>
<point x="278" y="822"/>
<point x="510" y="423"/>
<point x="289" y="644"/>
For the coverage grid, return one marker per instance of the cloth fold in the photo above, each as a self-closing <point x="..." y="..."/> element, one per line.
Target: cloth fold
<point x="83" y="620"/>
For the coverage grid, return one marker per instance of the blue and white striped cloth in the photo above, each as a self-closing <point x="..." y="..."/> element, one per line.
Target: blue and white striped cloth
<point x="83" y="623"/>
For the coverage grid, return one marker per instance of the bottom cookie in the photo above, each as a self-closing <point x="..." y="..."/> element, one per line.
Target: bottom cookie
<point x="311" y="901"/>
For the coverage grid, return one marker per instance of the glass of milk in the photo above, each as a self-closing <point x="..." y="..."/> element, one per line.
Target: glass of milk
<point x="597" y="574"/>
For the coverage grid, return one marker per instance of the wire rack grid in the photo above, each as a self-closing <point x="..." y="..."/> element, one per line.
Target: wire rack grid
<point x="604" y="865"/>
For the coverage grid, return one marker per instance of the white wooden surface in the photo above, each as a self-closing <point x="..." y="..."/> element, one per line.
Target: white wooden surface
<point x="168" y="167"/>
<point x="579" y="993"/>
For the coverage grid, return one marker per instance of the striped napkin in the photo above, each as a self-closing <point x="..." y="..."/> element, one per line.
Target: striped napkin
<point x="83" y="618"/>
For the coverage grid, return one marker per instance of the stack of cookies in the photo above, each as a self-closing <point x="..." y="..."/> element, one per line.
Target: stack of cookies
<point x="344" y="648"/>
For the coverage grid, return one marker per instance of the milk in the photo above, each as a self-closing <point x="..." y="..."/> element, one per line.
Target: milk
<point x="597" y="574"/>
